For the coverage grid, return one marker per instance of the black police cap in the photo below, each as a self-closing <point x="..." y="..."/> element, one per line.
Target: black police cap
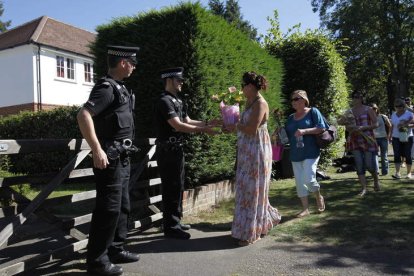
<point x="124" y="52"/>
<point x="176" y="72"/>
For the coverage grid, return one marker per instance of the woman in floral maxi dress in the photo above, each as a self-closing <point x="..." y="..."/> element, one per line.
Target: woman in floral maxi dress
<point x="253" y="216"/>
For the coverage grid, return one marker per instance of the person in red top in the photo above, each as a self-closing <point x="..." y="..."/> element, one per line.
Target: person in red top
<point x="361" y="142"/>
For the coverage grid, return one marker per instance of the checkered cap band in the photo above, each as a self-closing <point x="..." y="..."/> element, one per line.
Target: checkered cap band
<point x="121" y="53"/>
<point x="172" y="75"/>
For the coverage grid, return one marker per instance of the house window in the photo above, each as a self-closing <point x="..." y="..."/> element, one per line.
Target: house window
<point x="88" y="72"/>
<point x="70" y="68"/>
<point x="60" y="67"/>
<point x="65" y="70"/>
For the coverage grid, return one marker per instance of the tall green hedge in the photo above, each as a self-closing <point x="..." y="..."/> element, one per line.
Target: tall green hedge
<point x="312" y="64"/>
<point x="214" y="55"/>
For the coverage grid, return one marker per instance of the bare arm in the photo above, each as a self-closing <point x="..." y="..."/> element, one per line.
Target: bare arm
<point x="213" y="122"/>
<point x="374" y="120"/>
<point x="87" y="128"/>
<point x="308" y="131"/>
<point x="185" y="127"/>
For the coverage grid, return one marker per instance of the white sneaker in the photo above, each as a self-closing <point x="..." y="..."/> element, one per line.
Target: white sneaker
<point x="409" y="176"/>
<point x="396" y="176"/>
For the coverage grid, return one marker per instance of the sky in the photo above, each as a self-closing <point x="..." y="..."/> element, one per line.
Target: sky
<point x="88" y="14"/>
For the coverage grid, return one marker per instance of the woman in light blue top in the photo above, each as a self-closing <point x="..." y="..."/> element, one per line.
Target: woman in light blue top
<point x="301" y="127"/>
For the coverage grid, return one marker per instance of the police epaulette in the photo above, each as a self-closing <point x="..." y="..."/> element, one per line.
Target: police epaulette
<point x="105" y="83"/>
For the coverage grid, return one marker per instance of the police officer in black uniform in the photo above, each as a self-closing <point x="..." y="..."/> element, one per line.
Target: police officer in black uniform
<point x="172" y="122"/>
<point x="106" y="122"/>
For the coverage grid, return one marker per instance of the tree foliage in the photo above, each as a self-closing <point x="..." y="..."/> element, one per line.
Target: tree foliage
<point x="230" y="11"/>
<point x="3" y="24"/>
<point x="313" y="64"/>
<point x="379" y="35"/>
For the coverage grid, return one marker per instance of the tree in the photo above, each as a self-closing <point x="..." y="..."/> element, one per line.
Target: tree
<point x="231" y="13"/>
<point x="379" y="35"/>
<point x="3" y="25"/>
<point x="217" y="7"/>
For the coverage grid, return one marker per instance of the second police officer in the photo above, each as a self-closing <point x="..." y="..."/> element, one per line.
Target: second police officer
<point x="172" y="121"/>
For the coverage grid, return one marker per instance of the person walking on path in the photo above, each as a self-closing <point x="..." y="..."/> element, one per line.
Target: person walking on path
<point x="106" y="122"/>
<point x="382" y="135"/>
<point x="301" y="127"/>
<point x="402" y="137"/>
<point x="253" y="214"/>
<point x="361" y="141"/>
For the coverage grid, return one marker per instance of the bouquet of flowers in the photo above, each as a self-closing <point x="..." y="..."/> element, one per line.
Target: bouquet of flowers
<point x="230" y="102"/>
<point x="403" y="131"/>
<point x="348" y="120"/>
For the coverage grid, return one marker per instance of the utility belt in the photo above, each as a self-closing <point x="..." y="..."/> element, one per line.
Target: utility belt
<point x="120" y="148"/>
<point x="172" y="143"/>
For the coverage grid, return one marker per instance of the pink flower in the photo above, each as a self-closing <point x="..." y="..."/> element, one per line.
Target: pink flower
<point x="232" y="89"/>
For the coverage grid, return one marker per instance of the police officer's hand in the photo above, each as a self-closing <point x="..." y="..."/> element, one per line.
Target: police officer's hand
<point x="211" y="130"/>
<point x="100" y="160"/>
<point x="218" y="122"/>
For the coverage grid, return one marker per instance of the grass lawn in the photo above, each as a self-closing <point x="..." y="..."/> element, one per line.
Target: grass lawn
<point x="384" y="218"/>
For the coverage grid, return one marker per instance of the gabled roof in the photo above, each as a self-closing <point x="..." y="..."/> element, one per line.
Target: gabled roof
<point x="49" y="32"/>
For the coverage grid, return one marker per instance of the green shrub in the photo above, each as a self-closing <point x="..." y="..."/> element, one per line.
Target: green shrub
<point x="58" y="123"/>
<point x="312" y="64"/>
<point x="214" y="55"/>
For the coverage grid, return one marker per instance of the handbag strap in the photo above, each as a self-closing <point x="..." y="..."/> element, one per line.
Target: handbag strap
<point x="323" y="118"/>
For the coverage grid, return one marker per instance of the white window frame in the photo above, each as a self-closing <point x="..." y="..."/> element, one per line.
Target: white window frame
<point x="70" y="68"/>
<point x="88" y="72"/>
<point x="60" y="66"/>
<point x="67" y="65"/>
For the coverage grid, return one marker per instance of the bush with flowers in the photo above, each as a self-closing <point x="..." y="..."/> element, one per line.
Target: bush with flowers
<point x="230" y="102"/>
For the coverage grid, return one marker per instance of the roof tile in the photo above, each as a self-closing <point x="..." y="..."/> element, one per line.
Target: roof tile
<point x="49" y="32"/>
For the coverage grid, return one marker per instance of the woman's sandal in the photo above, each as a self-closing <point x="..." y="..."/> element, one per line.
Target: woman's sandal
<point x="321" y="204"/>
<point x="303" y="214"/>
<point x="246" y="243"/>
<point x="243" y="243"/>
<point x="363" y="193"/>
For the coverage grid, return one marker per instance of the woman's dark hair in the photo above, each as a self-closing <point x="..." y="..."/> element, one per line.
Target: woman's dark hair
<point x="357" y="94"/>
<point x="258" y="81"/>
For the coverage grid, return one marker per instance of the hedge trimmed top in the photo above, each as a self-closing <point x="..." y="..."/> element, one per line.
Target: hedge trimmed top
<point x="214" y="55"/>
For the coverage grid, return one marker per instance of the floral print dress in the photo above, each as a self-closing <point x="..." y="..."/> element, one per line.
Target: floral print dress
<point x="253" y="215"/>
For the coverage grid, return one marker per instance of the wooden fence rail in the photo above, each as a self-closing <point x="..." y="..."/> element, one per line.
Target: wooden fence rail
<point x="27" y="223"/>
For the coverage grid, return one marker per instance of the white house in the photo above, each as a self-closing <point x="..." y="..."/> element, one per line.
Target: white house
<point x="44" y="64"/>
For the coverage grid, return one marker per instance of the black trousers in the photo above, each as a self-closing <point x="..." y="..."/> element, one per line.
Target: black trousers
<point x="171" y="168"/>
<point x="109" y="225"/>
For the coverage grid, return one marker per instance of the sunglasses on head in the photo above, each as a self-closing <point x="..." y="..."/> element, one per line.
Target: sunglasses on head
<point x="296" y="99"/>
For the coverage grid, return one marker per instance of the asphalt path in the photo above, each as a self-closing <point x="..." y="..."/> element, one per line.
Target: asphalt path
<point x="213" y="253"/>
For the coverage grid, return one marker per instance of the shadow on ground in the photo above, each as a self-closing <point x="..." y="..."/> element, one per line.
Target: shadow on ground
<point x="382" y="260"/>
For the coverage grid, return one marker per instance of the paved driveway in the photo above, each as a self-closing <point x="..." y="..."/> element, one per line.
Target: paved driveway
<point x="216" y="253"/>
